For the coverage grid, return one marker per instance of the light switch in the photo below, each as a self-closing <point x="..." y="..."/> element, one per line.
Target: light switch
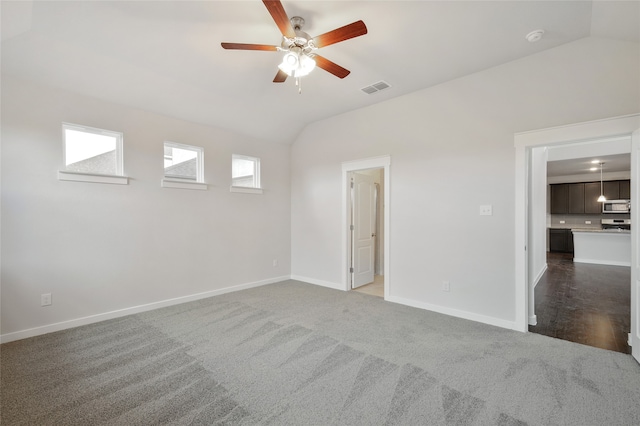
<point x="486" y="210"/>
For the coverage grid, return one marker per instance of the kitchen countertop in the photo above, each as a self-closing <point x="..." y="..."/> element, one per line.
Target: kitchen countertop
<point x="602" y="231"/>
<point x="575" y="226"/>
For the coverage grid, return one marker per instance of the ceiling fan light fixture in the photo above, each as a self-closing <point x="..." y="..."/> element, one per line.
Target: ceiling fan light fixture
<point x="297" y="64"/>
<point x="307" y="64"/>
<point x="290" y="62"/>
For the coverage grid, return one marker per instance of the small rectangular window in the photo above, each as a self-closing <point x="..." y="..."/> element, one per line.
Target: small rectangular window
<point x="245" y="171"/>
<point x="183" y="162"/>
<point x="92" y="151"/>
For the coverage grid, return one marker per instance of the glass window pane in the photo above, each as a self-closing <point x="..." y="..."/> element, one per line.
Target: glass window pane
<point x="183" y="161"/>
<point x="89" y="152"/>
<point x="180" y="162"/>
<point x="244" y="171"/>
<point x="242" y="167"/>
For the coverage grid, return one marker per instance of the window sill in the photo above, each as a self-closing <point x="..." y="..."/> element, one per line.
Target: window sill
<point x="91" y="177"/>
<point x="181" y="184"/>
<point x="246" y="190"/>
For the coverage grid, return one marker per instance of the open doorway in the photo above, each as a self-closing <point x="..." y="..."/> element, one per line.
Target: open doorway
<point x="529" y="246"/>
<point x="366" y="226"/>
<point x="366" y="229"/>
<point x="583" y="294"/>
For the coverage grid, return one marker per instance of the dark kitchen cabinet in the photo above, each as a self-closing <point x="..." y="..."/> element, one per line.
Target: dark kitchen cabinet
<point x="625" y="190"/>
<point x="612" y="190"/>
<point x="561" y="240"/>
<point x="560" y="198"/>
<point x="582" y="198"/>
<point x="591" y="194"/>
<point x="576" y="198"/>
<point x="567" y="198"/>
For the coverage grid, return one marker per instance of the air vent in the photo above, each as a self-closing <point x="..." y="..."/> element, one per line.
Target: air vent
<point x="376" y="87"/>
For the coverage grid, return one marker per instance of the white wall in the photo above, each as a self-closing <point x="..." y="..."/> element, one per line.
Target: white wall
<point x="452" y="150"/>
<point x="625" y="175"/>
<point x="100" y="248"/>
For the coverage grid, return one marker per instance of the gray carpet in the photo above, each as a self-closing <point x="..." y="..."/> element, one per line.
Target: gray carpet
<point x="297" y="354"/>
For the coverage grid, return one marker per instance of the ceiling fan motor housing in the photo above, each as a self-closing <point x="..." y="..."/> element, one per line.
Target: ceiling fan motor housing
<point x="301" y="39"/>
<point x="297" y="22"/>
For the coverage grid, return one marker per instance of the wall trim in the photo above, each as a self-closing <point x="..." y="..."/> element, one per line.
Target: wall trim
<point x="245" y="190"/>
<point x="182" y="184"/>
<point x="609" y="127"/>
<point x="63" y="325"/>
<point x="601" y="262"/>
<point x="328" y="284"/>
<point x="92" y="177"/>
<point x="536" y="280"/>
<point x="511" y="325"/>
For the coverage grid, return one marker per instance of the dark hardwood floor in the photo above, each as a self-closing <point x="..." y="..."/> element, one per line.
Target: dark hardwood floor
<point x="584" y="303"/>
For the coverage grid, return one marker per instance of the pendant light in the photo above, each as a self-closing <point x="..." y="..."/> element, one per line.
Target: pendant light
<point x="601" y="198"/>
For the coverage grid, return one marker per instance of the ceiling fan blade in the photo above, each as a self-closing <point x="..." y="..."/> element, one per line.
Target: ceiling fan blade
<point x="280" y="17"/>
<point x="281" y="76"/>
<point x="247" y="46"/>
<point x="352" y="30"/>
<point x="331" y="67"/>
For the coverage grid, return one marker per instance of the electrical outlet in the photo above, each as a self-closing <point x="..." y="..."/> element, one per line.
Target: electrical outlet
<point x="275" y="262"/>
<point x="45" y="299"/>
<point x="562" y="221"/>
<point x="587" y="222"/>
<point x="445" y="286"/>
<point x="486" y="210"/>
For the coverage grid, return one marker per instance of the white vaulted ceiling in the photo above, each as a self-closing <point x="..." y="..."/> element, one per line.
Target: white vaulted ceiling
<point x="166" y="56"/>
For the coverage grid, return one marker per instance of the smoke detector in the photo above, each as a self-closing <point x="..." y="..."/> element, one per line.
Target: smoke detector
<point x="534" y="36"/>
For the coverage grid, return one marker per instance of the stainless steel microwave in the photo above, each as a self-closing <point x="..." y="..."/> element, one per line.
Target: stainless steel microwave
<point x="616" y="206"/>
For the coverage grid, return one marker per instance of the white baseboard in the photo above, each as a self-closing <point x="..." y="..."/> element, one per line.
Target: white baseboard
<point x="601" y="262"/>
<point x="536" y="280"/>
<point x="328" y="284"/>
<point x="533" y="320"/>
<point x="50" y="328"/>
<point x="512" y="325"/>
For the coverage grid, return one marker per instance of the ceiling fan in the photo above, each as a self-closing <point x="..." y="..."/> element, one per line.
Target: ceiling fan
<point x="300" y="57"/>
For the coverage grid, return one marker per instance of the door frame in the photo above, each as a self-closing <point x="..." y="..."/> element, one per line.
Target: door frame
<point x="524" y="142"/>
<point x="382" y="162"/>
<point x="634" y="335"/>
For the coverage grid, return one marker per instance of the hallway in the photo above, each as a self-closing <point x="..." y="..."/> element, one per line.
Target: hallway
<point x="584" y="303"/>
<point x="376" y="288"/>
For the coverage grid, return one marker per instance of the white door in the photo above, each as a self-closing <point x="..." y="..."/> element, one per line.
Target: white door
<point x="635" y="245"/>
<point x="364" y="228"/>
